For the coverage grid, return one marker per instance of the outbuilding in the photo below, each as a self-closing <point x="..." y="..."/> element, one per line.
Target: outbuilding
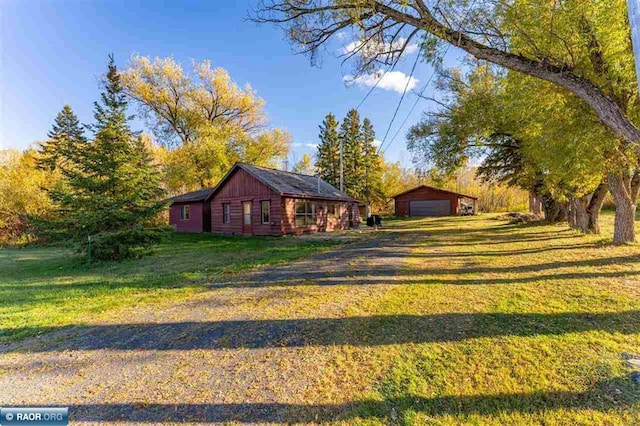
<point x="424" y="201"/>
<point x="191" y="212"/>
<point x="254" y="200"/>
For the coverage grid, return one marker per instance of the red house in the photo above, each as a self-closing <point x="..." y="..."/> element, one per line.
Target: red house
<point x="428" y="201"/>
<point x="191" y="212"/>
<point x="253" y="200"/>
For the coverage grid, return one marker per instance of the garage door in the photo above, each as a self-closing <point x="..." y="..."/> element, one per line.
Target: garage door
<point x="430" y="208"/>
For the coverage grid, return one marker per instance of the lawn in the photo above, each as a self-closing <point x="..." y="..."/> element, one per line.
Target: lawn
<point x="447" y="321"/>
<point x="45" y="287"/>
<point x="502" y="324"/>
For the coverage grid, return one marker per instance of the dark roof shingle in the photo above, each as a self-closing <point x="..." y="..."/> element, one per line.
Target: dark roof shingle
<point x="295" y="184"/>
<point x="199" y="195"/>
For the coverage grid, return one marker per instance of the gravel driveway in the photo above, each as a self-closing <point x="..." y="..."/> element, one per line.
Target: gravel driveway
<point x="259" y="347"/>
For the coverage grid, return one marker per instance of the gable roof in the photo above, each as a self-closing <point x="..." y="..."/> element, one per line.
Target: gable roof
<point x="435" y="189"/>
<point x="289" y="183"/>
<point x="199" y="195"/>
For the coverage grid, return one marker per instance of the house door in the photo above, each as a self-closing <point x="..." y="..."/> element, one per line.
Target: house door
<point x="246" y="217"/>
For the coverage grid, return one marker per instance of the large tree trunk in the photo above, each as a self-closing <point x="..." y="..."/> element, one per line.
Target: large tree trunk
<point x="572" y="216"/>
<point x="595" y="206"/>
<point x="579" y="218"/>
<point x="624" y="189"/>
<point x="535" y="206"/>
<point x="554" y="211"/>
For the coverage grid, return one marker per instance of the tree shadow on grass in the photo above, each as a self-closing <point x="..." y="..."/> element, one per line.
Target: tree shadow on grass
<point x="618" y="395"/>
<point x="355" y="331"/>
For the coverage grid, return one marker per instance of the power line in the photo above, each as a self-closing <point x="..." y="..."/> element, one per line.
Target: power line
<point x="390" y="67"/>
<point x="410" y="110"/>
<point x="395" y="113"/>
<point x="404" y="92"/>
<point x="425" y="86"/>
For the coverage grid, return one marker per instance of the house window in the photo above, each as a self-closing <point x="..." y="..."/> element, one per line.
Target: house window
<point x="305" y="213"/>
<point x="332" y="210"/>
<point x="266" y="212"/>
<point x="184" y="213"/>
<point x="226" y="213"/>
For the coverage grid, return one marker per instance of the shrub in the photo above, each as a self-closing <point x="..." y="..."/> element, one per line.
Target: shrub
<point x="126" y="244"/>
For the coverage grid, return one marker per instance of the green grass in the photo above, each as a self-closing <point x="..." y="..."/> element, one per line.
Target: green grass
<point x="45" y="287"/>
<point x="487" y="323"/>
<point x="523" y="324"/>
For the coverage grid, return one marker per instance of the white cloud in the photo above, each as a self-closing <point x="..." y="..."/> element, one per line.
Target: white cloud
<point x="304" y="145"/>
<point x="377" y="142"/>
<point x="375" y="46"/>
<point x="393" y="80"/>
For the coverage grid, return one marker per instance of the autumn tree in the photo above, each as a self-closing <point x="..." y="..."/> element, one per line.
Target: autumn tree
<point x="22" y="197"/>
<point x="527" y="133"/>
<point x="305" y="166"/>
<point x="205" y="119"/>
<point x="395" y="179"/>
<point x="581" y="46"/>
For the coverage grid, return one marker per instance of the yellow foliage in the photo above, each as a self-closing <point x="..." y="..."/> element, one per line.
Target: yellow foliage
<point x="21" y="192"/>
<point x="204" y="121"/>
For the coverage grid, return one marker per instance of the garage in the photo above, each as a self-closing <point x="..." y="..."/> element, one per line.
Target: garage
<point x="427" y="201"/>
<point x="422" y="208"/>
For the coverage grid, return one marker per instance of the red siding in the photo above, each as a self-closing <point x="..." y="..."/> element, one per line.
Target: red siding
<point x="240" y="187"/>
<point x="424" y="193"/>
<point x="324" y="222"/>
<point x="195" y="222"/>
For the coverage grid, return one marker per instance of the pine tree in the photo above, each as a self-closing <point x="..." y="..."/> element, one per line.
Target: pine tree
<point x="371" y="165"/>
<point x="328" y="157"/>
<point x="351" y="137"/>
<point x="110" y="183"/>
<point x="66" y="135"/>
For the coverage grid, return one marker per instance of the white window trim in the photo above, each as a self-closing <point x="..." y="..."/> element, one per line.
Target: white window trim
<point x="268" y="222"/>
<point x="186" y="216"/>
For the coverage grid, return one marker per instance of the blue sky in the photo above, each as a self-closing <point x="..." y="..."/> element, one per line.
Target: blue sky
<point x="54" y="52"/>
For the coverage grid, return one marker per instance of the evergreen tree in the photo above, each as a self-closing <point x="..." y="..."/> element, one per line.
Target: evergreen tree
<point x="361" y="163"/>
<point x="351" y="137"/>
<point x="372" y="169"/>
<point x="110" y="183"/>
<point x="328" y="157"/>
<point x="65" y="135"/>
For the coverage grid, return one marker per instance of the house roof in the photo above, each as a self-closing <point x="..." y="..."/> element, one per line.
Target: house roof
<point x="289" y="183"/>
<point x="199" y="195"/>
<point x="435" y="189"/>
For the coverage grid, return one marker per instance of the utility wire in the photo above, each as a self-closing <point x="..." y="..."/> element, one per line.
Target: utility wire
<point x="404" y="92"/>
<point x="395" y="113"/>
<point x="425" y="86"/>
<point x="389" y="68"/>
